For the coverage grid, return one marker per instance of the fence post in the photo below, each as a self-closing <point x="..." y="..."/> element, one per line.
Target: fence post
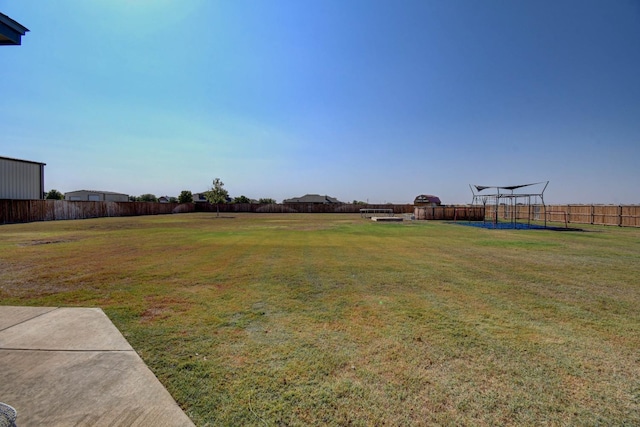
<point x="592" y="214"/>
<point x="619" y="215"/>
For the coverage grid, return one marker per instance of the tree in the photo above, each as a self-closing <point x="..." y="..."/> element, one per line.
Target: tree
<point x="217" y="194"/>
<point x="173" y="199"/>
<point x="241" y="199"/>
<point x="185" y="197"/>
<point x="148" y="198"/>
<point x="266" y="201"/>
<point x="54" y="194"/>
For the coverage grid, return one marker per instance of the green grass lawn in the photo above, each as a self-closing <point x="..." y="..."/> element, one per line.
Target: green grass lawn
<point x="297" y="319"/>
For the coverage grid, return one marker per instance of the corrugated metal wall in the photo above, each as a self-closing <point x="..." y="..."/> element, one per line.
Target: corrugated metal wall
<point x="95" y="196"/>
<point x="20" y="180"/>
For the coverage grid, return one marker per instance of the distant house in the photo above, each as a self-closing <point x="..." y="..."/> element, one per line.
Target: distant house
<point x="11" y="32"/>
<point x="163" y="199"/>
<point x="202" y="198"/>
<point x="427" y="200"/>
<point x="199" y="198"/>
<point x="21" y="179"/>
<point x="95" y="196"/>
<point x="313" y="199"/>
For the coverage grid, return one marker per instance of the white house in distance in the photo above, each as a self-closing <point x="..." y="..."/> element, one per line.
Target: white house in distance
<point x="95" y="196"/>
<point x="21" y="179"/>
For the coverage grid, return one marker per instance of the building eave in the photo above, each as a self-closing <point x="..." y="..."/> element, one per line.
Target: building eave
<point x="22" y="160"/>
<point x="11" y="32"/>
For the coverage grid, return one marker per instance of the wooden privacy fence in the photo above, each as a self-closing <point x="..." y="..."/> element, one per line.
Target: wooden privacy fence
<point x="19" y="211"/>
<point x="299" y="208"/>
<point x="450" y="213"/>
<point x="620" y="215"/>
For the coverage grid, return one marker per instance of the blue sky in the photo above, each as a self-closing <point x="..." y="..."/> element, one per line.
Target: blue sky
<point x="367" y="100"/>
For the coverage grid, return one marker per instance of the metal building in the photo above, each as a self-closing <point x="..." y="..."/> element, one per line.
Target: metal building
<point x="21" y="179"/>
<point x="96" y="196"/>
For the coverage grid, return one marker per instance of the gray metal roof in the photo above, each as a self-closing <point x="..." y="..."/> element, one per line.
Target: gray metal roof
<point x="95" y="191"/>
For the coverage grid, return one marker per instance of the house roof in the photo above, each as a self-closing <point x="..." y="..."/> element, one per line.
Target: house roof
<point x="199" y="197"/>
<point x="427" y="198"/>
<point x="312" y="198"/>
<point x="11" y="31"/>
<point x="202" y="197"/>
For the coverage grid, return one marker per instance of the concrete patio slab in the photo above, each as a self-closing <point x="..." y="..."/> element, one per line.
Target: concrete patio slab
<point x="11" y="316"/>
<point x="65" y="329"/>
<point x="387" y="218"/>
<point x="71" y="366"/>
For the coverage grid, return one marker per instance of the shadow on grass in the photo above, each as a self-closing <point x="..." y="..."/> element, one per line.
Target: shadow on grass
<point x="516" y="226"/>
